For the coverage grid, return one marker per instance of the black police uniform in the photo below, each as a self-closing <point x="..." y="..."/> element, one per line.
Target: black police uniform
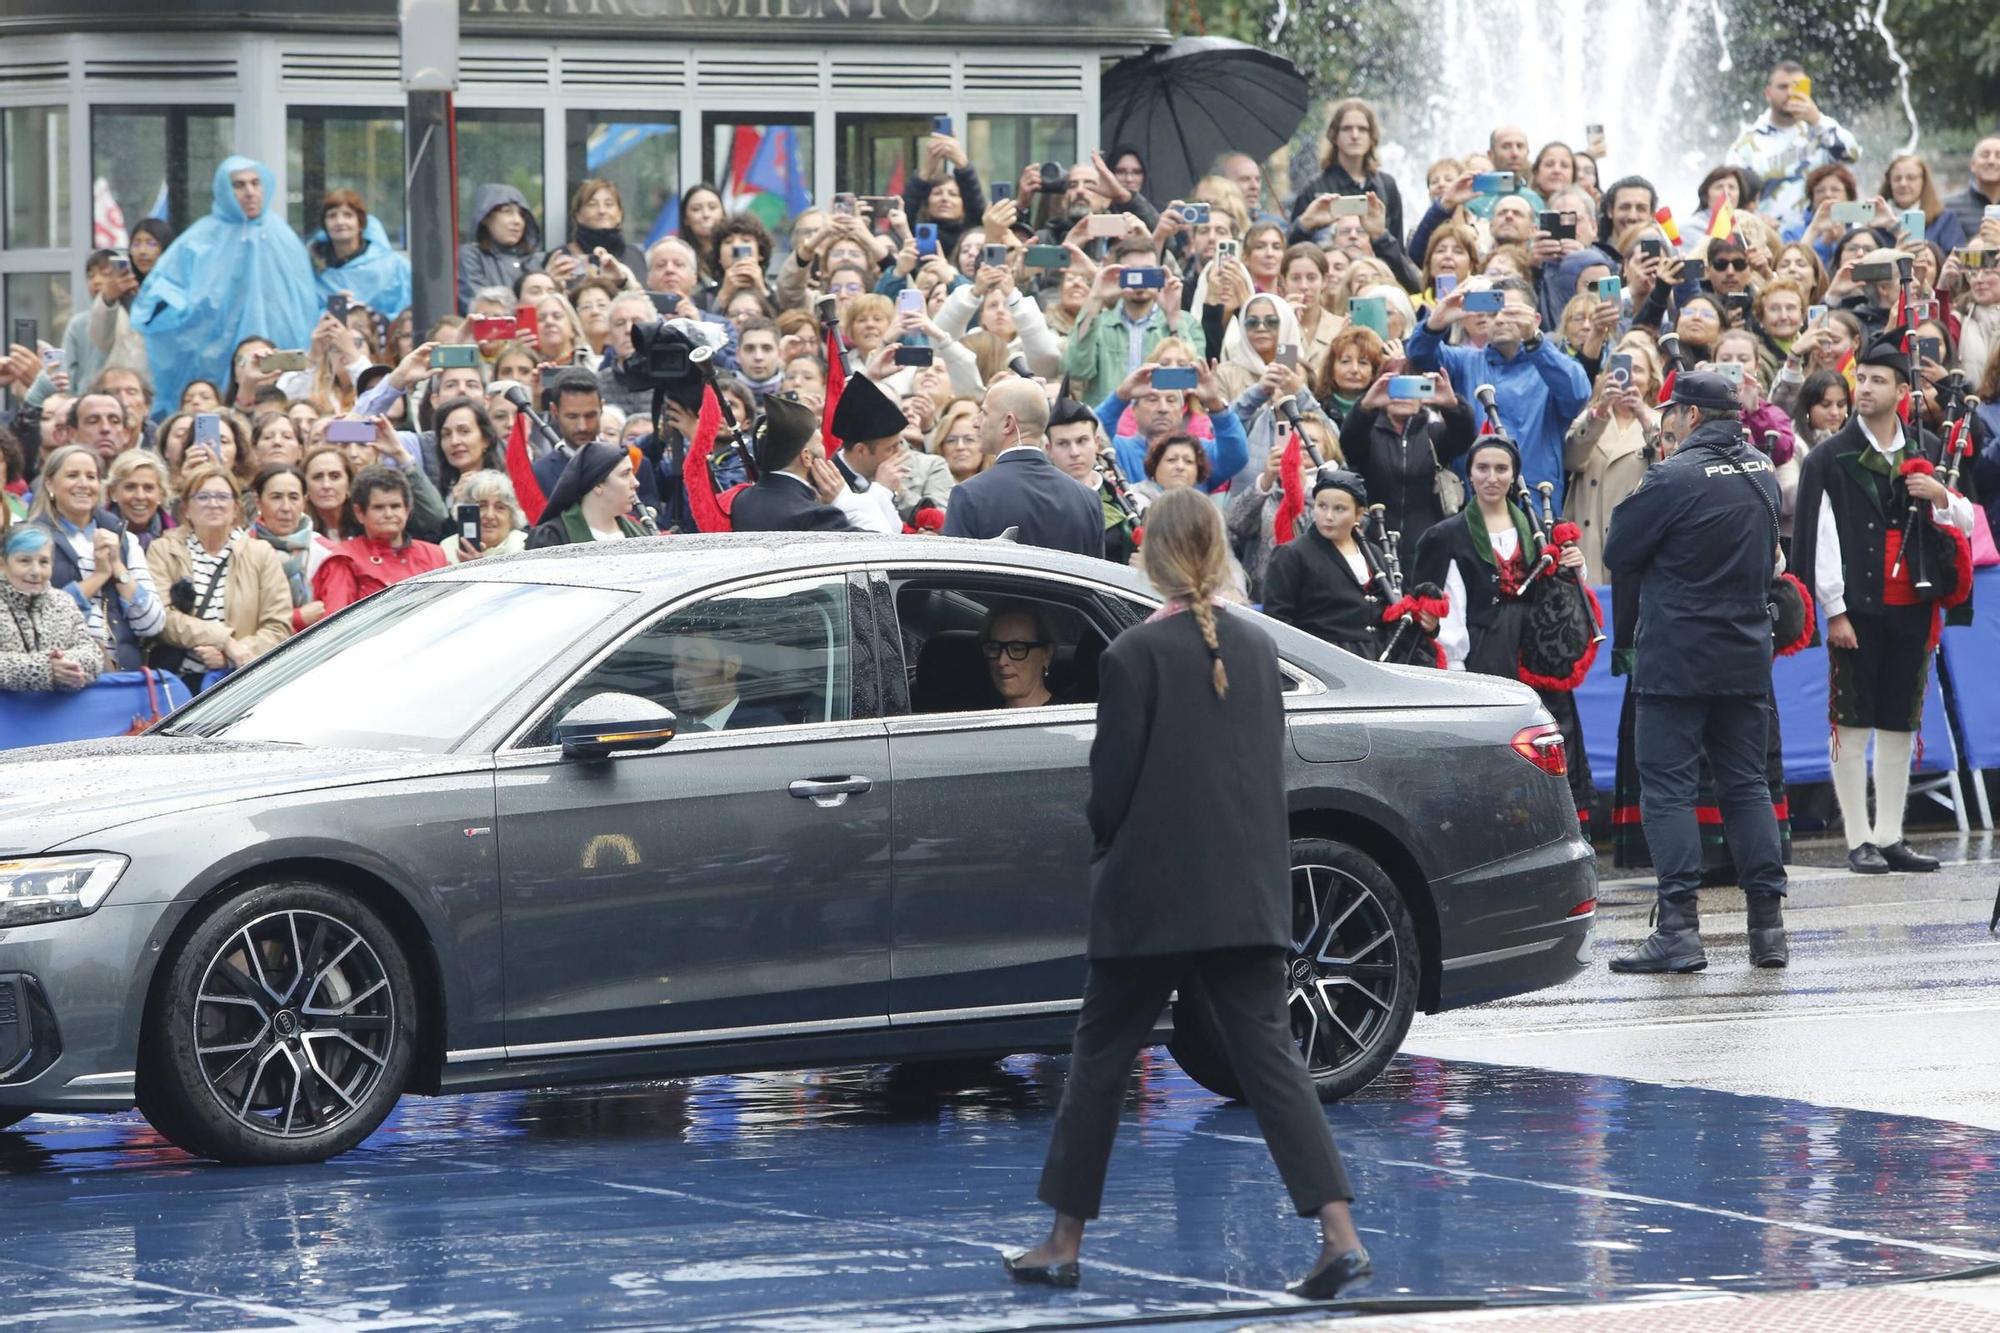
<point x="1699" y="537"/>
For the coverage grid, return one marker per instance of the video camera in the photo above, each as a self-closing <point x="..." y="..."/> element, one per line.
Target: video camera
<point x="663" y="359"/>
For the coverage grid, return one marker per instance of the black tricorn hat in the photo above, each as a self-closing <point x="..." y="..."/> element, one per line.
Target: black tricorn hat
<point x="787" y="428"/>
<point x="1886" y="350"/>
<point x="866" y="413"/>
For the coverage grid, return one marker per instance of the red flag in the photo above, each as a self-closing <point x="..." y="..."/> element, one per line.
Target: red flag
<point x="522" y="472"/>
<point x="1285" y="525"/>
<point x="836" y="377"/>
<point x="1667" y="389"/>
<point x="695" y="476"/>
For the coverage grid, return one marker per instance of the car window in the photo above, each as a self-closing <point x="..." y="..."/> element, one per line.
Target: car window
<point x="1297" y="679"/>
<point x="414" y="667"/>
<point x="771" y="656"/>
<point x="974" y="642"/>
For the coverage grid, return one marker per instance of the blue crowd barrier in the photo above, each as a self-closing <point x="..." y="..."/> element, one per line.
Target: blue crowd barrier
<point x="109" y="706"/>
<point x="1800" y="683"/>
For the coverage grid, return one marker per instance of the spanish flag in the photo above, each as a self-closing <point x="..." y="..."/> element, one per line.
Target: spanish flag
<point x="1665" y="217"/>
<point x="1724" y="221"/>
<point x="1846" y="369"/>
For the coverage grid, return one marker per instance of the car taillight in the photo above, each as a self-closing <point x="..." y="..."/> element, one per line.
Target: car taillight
<point x="1542" y="746"/>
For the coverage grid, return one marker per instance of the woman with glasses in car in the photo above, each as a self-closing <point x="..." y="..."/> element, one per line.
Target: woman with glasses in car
<point x="1019" y="644"/>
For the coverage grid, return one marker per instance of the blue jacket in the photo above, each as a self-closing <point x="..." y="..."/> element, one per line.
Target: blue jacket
<point x="224" y="279"/>
<point x="1538" y="393"/>
<point x="1227" y="452"/>
<point x="377" y="276"/>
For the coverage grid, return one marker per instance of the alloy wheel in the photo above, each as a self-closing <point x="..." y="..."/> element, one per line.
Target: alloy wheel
<point x="295" y="1023"/>
<point x="1342" y="970"/>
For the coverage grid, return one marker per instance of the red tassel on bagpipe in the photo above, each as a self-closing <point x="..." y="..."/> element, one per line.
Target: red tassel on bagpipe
<point x="521" y="471"/>
<point x="1922" y="467"/>
<point x="1292" y="501"/>
<point x="696" y="477"/>
<point x="1412" y="605"/>
<point x="836" y="380"/>
<point x="1805" y="634"/>
<point x="1565" y="534"/>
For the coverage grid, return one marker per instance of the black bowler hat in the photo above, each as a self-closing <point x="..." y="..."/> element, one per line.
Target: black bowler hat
<point x="1706" y="390"/>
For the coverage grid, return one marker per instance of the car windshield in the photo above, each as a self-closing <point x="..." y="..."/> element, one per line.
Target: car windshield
<point x="411" y="668"/>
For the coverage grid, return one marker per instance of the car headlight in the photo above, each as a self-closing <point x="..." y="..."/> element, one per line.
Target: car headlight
<point x="38" y="889"/>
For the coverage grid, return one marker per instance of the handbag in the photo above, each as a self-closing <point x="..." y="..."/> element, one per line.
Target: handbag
<point x="180" y="596"/>
<point x="1984" y="553"/>
<point x="1448" y="485"/>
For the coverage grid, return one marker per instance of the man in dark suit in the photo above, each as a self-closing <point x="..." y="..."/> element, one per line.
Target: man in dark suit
<point x="1023" y="490"/>
<point x="578" y="412"/>
<point x="795" y="485"/>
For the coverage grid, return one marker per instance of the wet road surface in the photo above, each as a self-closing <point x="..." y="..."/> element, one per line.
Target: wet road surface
<point x="1616" y="1138"/>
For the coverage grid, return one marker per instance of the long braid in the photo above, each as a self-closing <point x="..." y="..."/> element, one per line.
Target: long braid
<point x="1203" y="612"/>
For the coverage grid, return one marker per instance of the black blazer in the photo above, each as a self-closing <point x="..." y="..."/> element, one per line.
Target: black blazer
<point x="1025" y="490"/>
<point x="781" y="502"/>
<point x="1187" y="794"/>
<point x="1310" y="586"/>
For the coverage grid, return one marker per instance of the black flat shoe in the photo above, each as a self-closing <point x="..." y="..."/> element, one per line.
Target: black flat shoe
<point x="1900" y="855"/>
<point x="1342" y="1271"/>
<point x="1044" y="1275"/>
<point x="1867" y="859"/>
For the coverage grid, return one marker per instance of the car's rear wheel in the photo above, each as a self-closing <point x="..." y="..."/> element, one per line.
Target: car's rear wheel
<point x="1350" y="974"/>
<point x="285" y="1030"/>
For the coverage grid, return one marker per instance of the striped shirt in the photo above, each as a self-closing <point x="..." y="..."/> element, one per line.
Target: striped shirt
<point x="145" y="613"/>
<point x="209" y="576"/>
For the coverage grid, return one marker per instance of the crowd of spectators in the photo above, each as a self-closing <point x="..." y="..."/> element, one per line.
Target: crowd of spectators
<point x="242" y="433"/>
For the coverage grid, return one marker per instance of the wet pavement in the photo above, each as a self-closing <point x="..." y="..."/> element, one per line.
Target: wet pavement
<point x="1834" y="1126"/>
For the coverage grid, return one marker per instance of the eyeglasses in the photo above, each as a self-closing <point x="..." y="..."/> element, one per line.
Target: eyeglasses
<point x="213" y="498"/>
<point x="1017" y="650"/>
<point x="1736" y="264"/>
<point x="1260" y="322"/>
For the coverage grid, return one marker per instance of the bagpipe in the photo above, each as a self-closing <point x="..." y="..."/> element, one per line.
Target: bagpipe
<point x="1564" y="624"/>
<point x="1409" y="642"/>
<point x="1928" y="563"/>
<point x="1122" y="499"/>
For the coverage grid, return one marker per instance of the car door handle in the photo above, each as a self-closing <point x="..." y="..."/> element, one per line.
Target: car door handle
<point x="826" y="793"/>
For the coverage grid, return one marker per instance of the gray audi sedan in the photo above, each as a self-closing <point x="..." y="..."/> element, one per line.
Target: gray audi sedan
<point x="718" y="804"/>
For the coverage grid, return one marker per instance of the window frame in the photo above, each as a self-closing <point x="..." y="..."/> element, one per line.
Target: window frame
<point x="864" y="705"/>
<point x="190" y="204"/>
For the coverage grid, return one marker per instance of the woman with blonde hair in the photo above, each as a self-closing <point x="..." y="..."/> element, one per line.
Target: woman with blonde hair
<point x="1190" y="717"/>
<point x="1907" y="184"/>
<point x="1612" y="442"/>
<point x="227" y="594"/>
<point x="136" y="490"/>
<point x="956" y="439"/>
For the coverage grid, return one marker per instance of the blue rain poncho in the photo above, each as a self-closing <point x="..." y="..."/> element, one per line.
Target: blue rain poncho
<point x="224" y="279"/>
<point x="376" y="276"/>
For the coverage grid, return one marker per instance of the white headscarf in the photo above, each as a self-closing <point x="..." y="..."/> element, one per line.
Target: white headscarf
<point x="1236" y="348"/>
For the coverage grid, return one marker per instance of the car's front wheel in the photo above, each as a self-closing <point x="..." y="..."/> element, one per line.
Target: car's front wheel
<point x="285" y="1028"/>
<point x="1350" y="977"/>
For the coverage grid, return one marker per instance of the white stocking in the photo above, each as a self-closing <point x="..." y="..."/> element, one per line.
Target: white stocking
<point x="1850" y="781"/>
<point x="1892" y="784"/>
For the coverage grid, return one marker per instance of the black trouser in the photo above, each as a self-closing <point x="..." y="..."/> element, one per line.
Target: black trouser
<point x="1670" y="734"/>
<point x="1121" y="1002"/>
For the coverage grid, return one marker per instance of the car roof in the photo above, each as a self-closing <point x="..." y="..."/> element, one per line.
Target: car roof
<point x="660" y="567"/>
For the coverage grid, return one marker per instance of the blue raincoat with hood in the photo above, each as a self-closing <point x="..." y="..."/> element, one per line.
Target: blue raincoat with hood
<point x="224" y="279"/>
<point x="376" y="276"/>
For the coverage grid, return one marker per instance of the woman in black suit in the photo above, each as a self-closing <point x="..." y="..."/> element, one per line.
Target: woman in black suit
<point x="1190" y="717"/>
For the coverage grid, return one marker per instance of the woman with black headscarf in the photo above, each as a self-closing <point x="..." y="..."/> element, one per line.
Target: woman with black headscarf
<point x="593" y="500"/>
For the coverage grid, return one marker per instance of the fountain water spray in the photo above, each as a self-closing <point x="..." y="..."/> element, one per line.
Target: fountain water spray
<point x="1879" y="19"/>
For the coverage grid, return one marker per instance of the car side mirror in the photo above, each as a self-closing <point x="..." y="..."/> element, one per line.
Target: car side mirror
<point x="609" y="722"/>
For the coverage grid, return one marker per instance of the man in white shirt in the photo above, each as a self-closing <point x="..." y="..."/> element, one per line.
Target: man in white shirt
<point x="869" y="423"/>
<point x="1860" y="492"/>
<point x="1785" y="143"/>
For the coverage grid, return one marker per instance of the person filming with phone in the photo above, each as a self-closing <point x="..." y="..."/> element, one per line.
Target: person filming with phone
<point x="1124" y="319"/>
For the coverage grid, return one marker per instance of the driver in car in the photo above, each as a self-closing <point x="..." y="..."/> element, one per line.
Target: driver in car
<point x="707" y="669"/>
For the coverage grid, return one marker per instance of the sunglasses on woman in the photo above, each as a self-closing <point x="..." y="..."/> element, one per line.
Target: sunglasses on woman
<point x="1260" y="322"/>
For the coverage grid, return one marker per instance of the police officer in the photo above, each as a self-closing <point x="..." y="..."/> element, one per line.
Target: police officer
<point x="1699" y="539"/>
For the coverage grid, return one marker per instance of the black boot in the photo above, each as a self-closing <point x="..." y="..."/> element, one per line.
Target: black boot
<point x="1767" y="930"/>
<point x="1674" y="945"/>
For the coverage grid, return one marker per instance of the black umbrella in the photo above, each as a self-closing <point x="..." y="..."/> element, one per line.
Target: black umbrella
<point x="1184" y="104"/>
